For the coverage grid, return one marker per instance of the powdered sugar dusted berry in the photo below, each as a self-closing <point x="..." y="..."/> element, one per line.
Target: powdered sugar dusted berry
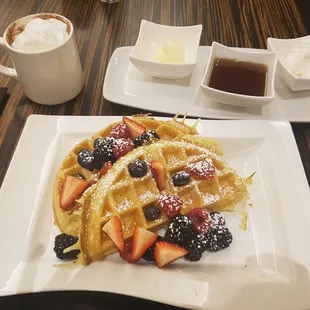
<point x="122" y="147"/>
<point x="170" y="204"/>
<point x="218" y="218"/>
<point x="201" y="218"/>
<point x="203" y="170"/>
<point x="218" y="238"/>
<point x="120" y="131"/>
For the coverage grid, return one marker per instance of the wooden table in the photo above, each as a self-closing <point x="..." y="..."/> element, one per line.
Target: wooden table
<point x="100" y="28"/>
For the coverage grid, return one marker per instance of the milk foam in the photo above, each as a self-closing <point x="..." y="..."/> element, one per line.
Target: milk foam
<point x="41" y="35"/>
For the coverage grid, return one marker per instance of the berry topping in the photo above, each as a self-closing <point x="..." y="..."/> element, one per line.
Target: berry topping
<point x="134" y="128"/>
<point x="113" y="228"/>
<point x="218" y="238"/>
<point x="142" y="240"/>
<point x="126" y="254"/>
<point x="201" y="218"/>
<point x="78" y="175"/>
<point x="104" y="148"/>
<point x="166" y="253"/>
<point x="120" y="131"/>
<point x="179" y="230"/>
<point x="122" y="147"/>
<point x="104" y="170"/>
<point x="170" y="204"/>
<point x="218" y="218"/>
<point x="203" y="170"/>
<point x="194" y="256"/>
<point x="62" y="242"/>
<point x="180" y="178"/>
<point x="158" y="171"/>
<point x="149" y="254"/>
<point x="86" y="159"/>
<point x="72" y="189"/>
<point x="151" y="213"/>
<point x="197" y="243"/>
<point x="146" y="138"/>
<point x="138" y="168"/>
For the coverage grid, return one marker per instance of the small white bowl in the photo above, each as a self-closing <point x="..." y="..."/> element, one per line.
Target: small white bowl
<point x="152" y="36"/>
<point x="261" y="57"/>
<point x="283" y="47"/>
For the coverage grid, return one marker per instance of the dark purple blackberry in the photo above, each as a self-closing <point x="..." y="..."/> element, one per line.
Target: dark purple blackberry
<point x="179" y="230"/>
<point x="193" y="256"/>
<point x="146" y="138"/>
<point x="62" y="242"/>
<point x="104" y="149"/>
<point x="149" y="254"/>
<point x="78" y="175"/>
<point x="218" y="218"/>
<point x="151" y="213"/>
<point x="197" y="243"/>
<point x="86" y="159"/>
<point x="218" y="238"/>
<point x="180" y="178"/>
<point x="138" y="168"/>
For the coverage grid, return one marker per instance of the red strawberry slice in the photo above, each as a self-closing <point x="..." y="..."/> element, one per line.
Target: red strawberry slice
<point x="170" y="204"/>
<point x="158" y="170"/>
<point x="72" y="189"/>
<point x="142" y="240"/>
<point x="203" y="170"/>
<point x="201" y="219"/>
<point x="126" y="254"/>
<point x="134" y="128"/>
<point x="122" y="147"/>
<point x="104" y="170"/>
<point x="113" y="228"/>
<point x="120" y="131"/>
<point x="166" y="253"/>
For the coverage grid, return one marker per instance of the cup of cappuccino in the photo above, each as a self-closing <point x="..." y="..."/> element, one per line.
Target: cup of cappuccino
<point x="45" y="57"/>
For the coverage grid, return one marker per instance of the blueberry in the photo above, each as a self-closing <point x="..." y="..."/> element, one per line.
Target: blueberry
<point x="104" y="148"/>
<point x="218" y="238"/>
<point x="146" y="138"/>
<point x="138" y="168"/>
<point x="151" y="213"/>
<point x="218" y="218"/>
<point x="86" y="159"/>
<point x="78" y="175"/>
<point x="180" y="178"/>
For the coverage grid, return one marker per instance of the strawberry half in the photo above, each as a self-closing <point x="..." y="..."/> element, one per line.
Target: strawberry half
<point x="104" y="170"/>
<point x="166" y="253"/>
<point x="134" y="128"/>
<point x="142" y="240"/>
<point x="72" y="189"/>
<point x="113" y="228"/>
<point x="158" y="171"/>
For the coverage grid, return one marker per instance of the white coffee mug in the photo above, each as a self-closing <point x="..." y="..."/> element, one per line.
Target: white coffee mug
<point x="50" y="77"/>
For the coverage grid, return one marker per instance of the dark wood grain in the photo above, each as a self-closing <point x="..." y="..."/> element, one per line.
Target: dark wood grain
<point x="100" y="28"/>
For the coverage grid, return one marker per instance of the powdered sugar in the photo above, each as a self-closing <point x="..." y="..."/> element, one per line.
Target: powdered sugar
<point x="203" y="169"/>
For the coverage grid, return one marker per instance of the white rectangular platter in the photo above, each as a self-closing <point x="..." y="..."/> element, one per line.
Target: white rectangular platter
<point x="125" y="85"/>
<point x="266" y="267"/>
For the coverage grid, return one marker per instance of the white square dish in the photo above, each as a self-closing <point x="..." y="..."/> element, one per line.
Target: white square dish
<point x="267" y="266"/>
<point x="222" y="51"/>
<point x="151" y="37"/>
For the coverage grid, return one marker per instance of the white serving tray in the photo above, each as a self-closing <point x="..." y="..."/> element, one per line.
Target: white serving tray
<point x="127" y="86"/>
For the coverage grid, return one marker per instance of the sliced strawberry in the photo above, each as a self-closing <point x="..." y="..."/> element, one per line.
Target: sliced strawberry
<point x="170" y="204"/>
<point x="120" y="131"/>
<point x="158" y="170"/>
<point x="126" y="254"/>
<point x="113" y="228"/>
<point x="142" y="240"/>
<point x="122" y="147"/>
<point x="72" y="189"/>
<point x="166" y="253"/>
<point x="134" y="128"/>
<point x="104" y="170"/>
<point x="203" y="170"/>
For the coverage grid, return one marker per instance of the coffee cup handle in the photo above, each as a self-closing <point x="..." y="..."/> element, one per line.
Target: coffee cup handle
<point x="6" y="70"/>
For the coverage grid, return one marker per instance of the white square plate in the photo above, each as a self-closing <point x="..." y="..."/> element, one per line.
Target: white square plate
<point x="266" y="267"/>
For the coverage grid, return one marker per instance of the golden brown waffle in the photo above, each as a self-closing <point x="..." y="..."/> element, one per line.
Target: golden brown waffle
<point x="69" y="221"/>
<point x="122" y="195"/>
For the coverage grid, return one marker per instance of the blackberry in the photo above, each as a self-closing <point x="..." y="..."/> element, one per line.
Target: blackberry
<point x="179" y="230"/>
<point x="151" y="213"/>
<point x="194" y="256"/>
<point x="146" y="138"/>
<point x="103" y="148"/>
<point x="78" y="175"/>
<point x="180" y="178"/>
<point x="218" y="218"/>
<point x="86" y="159"/>
<point x="218" y="238"/>
<point x="197" y="243"/>
<point x="138" y="168"/>
<point x="149" y="254"/>
<point x="62" y="242"/>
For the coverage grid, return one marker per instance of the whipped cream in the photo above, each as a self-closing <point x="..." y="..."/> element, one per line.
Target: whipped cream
<point x="171" y="51"/>
<point x="41" y="35"/>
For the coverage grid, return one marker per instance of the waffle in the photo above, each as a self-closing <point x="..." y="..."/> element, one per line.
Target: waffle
<point x="69" y="221"/>
<point x="122" y="195"/>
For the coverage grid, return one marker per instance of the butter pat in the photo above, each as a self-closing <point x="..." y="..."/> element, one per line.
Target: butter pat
<point x="171" y="51"/>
